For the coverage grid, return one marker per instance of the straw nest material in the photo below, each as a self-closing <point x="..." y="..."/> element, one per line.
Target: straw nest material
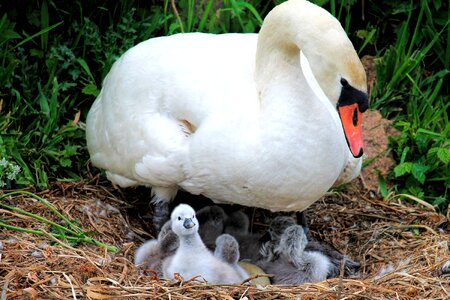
<point x="402" y="249"/>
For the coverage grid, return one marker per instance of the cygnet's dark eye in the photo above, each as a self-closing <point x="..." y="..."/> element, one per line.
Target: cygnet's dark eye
<point x="344" y="82"/>
<point x="193" y="217"/>
<point x="179" y="218"/>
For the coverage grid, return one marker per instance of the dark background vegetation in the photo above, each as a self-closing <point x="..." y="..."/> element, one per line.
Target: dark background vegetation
<point x="54" y="55"/>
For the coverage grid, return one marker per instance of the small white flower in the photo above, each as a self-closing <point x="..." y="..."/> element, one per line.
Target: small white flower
<point x="13" y="171"/>
<point x="3" y="162"/>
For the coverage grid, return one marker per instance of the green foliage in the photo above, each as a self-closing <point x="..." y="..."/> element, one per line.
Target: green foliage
<point x="410" y="90"/>
<point x="49" y="74"/>
<point x="211" y="16"/>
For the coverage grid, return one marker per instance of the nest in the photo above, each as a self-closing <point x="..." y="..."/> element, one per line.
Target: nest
<point x="402" y="249"/>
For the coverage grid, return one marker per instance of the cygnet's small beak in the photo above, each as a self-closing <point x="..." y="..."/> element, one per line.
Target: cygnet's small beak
<point x="188" y="223"/>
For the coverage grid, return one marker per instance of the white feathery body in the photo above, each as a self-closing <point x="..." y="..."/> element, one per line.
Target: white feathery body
<point x="230" y="116"/>
<point x="149" y="249"/>
<point x="192" y="258"/>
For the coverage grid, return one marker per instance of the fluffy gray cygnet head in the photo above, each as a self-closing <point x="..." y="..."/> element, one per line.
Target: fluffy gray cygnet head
<point x="279" y="225"/>
<point x="212" y="220"/>
<point x="290" y="264"/>
<point x="227" y="248"/>
<point x="183" y="220"/>
<point x="292" y="244"/>
<point x="237" y="223"/>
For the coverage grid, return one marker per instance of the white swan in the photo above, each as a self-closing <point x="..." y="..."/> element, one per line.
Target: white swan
<point x="235" y="117"/>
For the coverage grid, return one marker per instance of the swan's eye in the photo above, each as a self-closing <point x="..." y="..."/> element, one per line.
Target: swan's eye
<point x="193" y="217"/>
<point x="344" y="82"/>
<point x="179" y="218"/>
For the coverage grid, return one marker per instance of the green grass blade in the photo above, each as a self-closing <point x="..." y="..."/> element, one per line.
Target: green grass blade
<point x="205" y="15"/>
<point x="43" y="31"/>
<point x="85" y="67"/>
<point x="48" y="205"/>
<point x="44" y="24"/>
<point x="77" y="233"/>
<point x="26" y="213"/>
<point x="447" y="53"/>
<point x="368" y="39"/>
<point x="252" y="9"/>
<point x="416" y="31"/>
<point x="72" y="239"/>
<point x="190" y="16"/>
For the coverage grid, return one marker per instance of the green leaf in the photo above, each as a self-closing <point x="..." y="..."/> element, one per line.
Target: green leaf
<point x="86" y="68"/>
<point x="91" y="89"/>
<point x="320" y="2"/>
<point x="7" y="30"/>
<point x="251" y="9"/>
<point x="384" y="191"/>
<point x="439" y="201"/>
<point x="422" y="143"/>
<point x="37" y="52"/>
<point x="66" y="85"/>
<point x="43" y="102"/>
<point x="65" y="162"/>
<point x="402" y="169"/>
<point x="43" y="31"/>
<point x="418" y="170"/>
<point x="444" y="155"/>
<point x="70" y="150"/>
<point x="404" y="153"/>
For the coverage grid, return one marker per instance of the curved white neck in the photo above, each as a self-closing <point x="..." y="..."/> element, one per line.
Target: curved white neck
<point x="300" y="25"/>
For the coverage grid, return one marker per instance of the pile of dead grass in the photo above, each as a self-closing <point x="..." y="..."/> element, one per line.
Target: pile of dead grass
<point x="401" y="247"/>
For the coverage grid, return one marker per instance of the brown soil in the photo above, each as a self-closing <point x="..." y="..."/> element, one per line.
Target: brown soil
<point x="380" y="161"/>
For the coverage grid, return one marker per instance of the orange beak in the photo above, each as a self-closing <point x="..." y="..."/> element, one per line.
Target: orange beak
<point x="351" y="119"/>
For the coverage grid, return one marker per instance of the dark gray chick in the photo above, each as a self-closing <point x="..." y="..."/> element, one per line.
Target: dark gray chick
<point x="280" y="223"/>
<point x="150" y="255"/>
<point x="212" y="223"/>
<point x="290" y="263"/>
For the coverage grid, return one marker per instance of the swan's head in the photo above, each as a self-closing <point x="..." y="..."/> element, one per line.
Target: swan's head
<point x="351" y="104"/>
<point x="298" y="25"/>
<point x="345" y="85"/>
<point x="183" y="220"/>
<point x="341" y="76"/>
<point x="339" y="73"/>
